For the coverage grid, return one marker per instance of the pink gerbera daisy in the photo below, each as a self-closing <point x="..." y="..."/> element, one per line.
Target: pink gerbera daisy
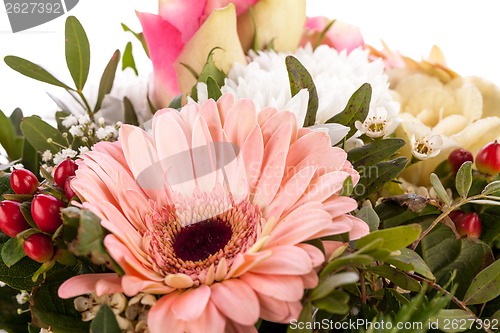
<point x="211" y="211"/>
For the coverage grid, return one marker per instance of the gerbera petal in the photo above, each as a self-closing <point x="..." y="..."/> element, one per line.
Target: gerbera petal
<point x="285" y="260"/>
<point x="211" y="317"/>
<point x="227" y="295"/>
<point x="86" y="284"/>
<point x="282" y="287"/>
<point x="160" y="311"/>
<point x="191" y="304"/>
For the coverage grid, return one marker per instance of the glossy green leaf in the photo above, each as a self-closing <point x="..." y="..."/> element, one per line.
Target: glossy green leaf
<point x="213" y="89"/>
<point x="77" y="52"/>
<point x="439" y="188"/>
<point x="128" y="60"/>
<point x="356" y="109"/>
<point x="394" y="238"/>
<point x="105" y="321"/>
<point x="12" y="251"/>
<point x="31" y="158"/>
<point x="397" y="277"/>
<point x="485" y="286"/>
<point x="33" y="71"/>
<point x="454" y="320"/>
<point x="444" y="254"/>
<point x="15" y="118"/>
<point x="300" y="79"/>
<point x="329" y="284"/>
<point x="37" y="132"/>
<point x="347" y="187"/>
<point x="350" y="260"/>
<point x="9" y="140"/>
<point x="107" y="79"/>
<point x="130" y="114"/>
<point x="374" y="152"/>
<point x="463" y="180"/>
<point x="491" y="188"/>
<point x="409" y="260"/>
<point x="485" y="202"/>
<point x="5" y="185"/>
<point x="369" y="215"/>
<point x="336" y="302"/>
<point x="375" y="177"/>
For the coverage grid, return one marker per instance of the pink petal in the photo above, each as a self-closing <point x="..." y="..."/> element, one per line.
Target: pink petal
<point x="132" y="285"/>
<point x="160" y="318"/>
<point x="253" y="154"/>
<point x="204" y="156"/>
<point x="233" y="327"/>
<point x="310" y="280"/>
<point x="165" y="44"/>
<point x="324" y="187"/>
<point x="240" y="122"/>
<point x="185" y="15"/>
<point x="86" y="284"/>
<point x="236" y="300"/>
<point x="338" y="205"/>
<point x="285" y="260"/>
<point x="272" y="309"/>
<point x="301" y="148"/>
<point x="210" y="113"/>
<point x="191" y="304"/>
<point x="283" y="287"/>
<point x="210" y="317"/>
<point x="317" y="257"/>
<point x="359" y="228"/>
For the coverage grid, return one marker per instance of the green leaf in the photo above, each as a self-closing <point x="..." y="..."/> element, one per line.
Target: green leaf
<point x="107" y="79"/>
<point x="37" y="132"/>
<point x="128" y="60"/>
<point x="463" y="180"/>
<point x="213" y="89"/>
<point x="329" y="284"/>
<point x="453" y="320"/>
<point x="33" y="71"/>
<point x="176" y="102"/>
<point x="444" y="254"/>
<point x="130" y="115"/>
<point x="31" y="158"/>
<point x="9" y="140"/>
<point x="377" y="176"/>
<point x="12" y="251"/>
<point x="77" y="52"/>
<point x="350" y="260"/>
<point x="491" y="188"/>
<point x="60" y="116"/>
<point x="105" y="321"/>
<point x="369" y="215"/>
<point x="409" y="260"/>
<point x="305" y="320"/>
<point x="15" y="118"/>
<point x="485" y="286"/>
<point x="300" y="79"/>
<point x="397" y="277"/>
<point x="439" y="188"/>
<point x="347" y="187"/>
<point x="139" y="36"/>
<point x="374" y="152"/>
<point x="394" y="238"/>
<point x="356" y="109"/>
<point x="5" y="185"/>
<point x="48" y="309"/>
<point x="336" y="302"/>
<point x="485" y="202"/>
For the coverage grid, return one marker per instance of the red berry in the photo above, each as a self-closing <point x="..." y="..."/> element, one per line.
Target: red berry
<point x="456" y="215"/>
<point x="488" y="159"/>
<point x="23" y="181"/>
<point x="469" y="225"/>
<point x="459" y="157"/>
<point x="64" y="170"/>
<point x="39" y="247"/>
<point x="68" y="190"/>
<point x="12" y="220"/>
<point x="45" y="210"/>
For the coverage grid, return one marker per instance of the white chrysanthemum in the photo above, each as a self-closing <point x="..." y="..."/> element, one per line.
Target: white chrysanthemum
<point x="336" y="76"/>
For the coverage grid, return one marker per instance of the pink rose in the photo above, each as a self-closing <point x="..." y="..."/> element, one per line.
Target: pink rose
<point x="185" y="31"/>
<point x="340" y="36"/>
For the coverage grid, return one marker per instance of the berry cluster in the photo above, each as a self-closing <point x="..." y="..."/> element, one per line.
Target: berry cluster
<point x="45" y="209"/>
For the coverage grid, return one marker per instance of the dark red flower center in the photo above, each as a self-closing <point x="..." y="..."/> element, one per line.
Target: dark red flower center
<point x="200" y="240"/>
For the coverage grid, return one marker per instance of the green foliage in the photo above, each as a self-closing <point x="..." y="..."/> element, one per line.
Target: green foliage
<point x="128" y="60"/>
<point x="12" y="251"/>
<point x="393" y="239"/>
<point x="77" y="52"/>
<point x="5" y="184"/>
<point x="485" y="286"/>
<point x="440" y="190"/>
<point x="9" y="139"/>
<point x="374" y="152"/>
<point x="139" y="36"/>
<point x="210" y="72"/>
<point x="41" y="135"/>
<point x="130" y="116"/>
<point x="107" y="79"/>
<point x="105" y="321"/>
<point x="356" y="109"/>
<point x="463" y="180"/>
<point x="300" y="79"/>
<point x="10" y="320"/>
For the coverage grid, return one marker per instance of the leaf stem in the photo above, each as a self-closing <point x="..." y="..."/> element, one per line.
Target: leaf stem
<point x="87" y="105"/>
<point x="362" y="286"/>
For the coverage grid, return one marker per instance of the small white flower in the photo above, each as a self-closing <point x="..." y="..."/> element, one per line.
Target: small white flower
<point x="101" y="121"/>
<point x="2" y="284"/>
<point x="63" y="154"/>
<point x="101" y="133"/>
<point x="377" y="125"/>
<point x="76" y="131"/>
<point x="70" y="121"/>
<point x="22" y="297"/>
<point x="16" y="166"/>
<point x="426" y="146"/>
<point x="83" y="150"/>
<point x="84" y="120"/>
<point x="82" y="303"/>
<point x="47" y="156"/>
<point x="45" y="330"/>
<point x="111" y="130"/>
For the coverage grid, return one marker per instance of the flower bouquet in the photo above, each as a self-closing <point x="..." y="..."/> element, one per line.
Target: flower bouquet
<point x="273" y="174"/>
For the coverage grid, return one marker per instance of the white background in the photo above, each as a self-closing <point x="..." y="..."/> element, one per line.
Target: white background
<point x="466" y="31"/>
